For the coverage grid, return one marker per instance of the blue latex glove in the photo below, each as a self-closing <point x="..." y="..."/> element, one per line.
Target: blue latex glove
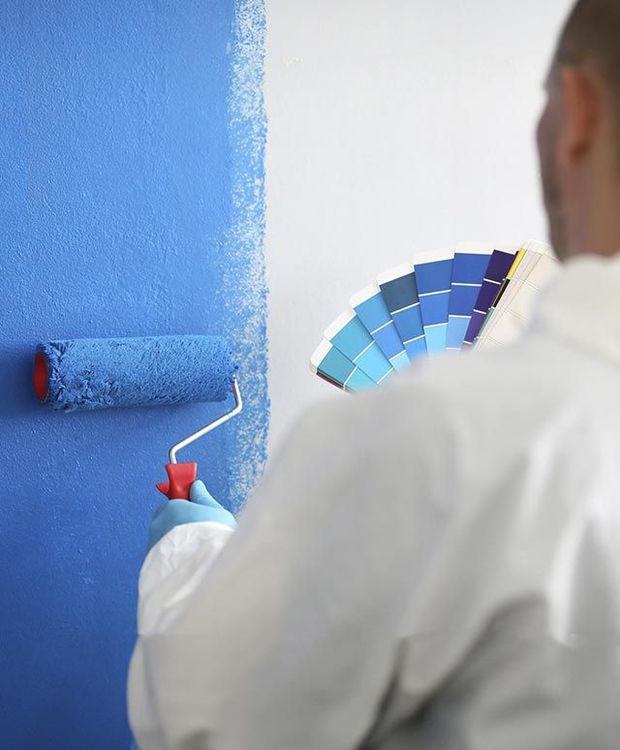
<point x="203" y="507"/>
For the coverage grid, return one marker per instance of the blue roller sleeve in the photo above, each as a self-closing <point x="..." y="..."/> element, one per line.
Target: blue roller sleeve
<point x="155" y="370"/>
<point x="203" y="507"/>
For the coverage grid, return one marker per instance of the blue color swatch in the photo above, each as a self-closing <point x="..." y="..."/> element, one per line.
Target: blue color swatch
<point x="468" y="272"/>
<point x="499" y="265"/>
<point x="351" y="337"/>
<point x="401" y="298"/>
<point x="334" y="366"/>
<point x="434" y="280"/>
<point x="374" y="314"/>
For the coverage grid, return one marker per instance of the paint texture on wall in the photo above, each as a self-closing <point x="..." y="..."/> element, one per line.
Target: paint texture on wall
<point x="132" y="199"/>
<point x="244" y="290"/>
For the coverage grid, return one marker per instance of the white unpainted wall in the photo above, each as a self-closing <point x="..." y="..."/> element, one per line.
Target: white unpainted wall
<point x="394" y="126"/>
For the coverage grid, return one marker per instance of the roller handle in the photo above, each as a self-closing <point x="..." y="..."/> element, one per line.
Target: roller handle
<point x="181" y="477"/>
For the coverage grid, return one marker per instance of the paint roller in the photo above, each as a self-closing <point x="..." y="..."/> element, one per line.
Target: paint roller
<point x="87" y="374"/>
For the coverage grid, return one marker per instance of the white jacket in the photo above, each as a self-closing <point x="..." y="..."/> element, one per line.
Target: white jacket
<point x="433" y="566"/>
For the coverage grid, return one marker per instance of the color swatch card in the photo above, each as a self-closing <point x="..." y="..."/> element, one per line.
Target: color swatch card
<point x="514" y="310"/>
<point x="433" y="274"/>
<point x="372" y="311"/>
<point x="331" y="365"/>
<point x="400" y="292"/>
<point x="468" y="271"/>
<point x="349" y="335"/>
<point x="519" y="266"/>
<point x="497" y="270"/>
<point x="479" y="295"/>
<point x="543" y="248"/>
<point x="526" y="255"/>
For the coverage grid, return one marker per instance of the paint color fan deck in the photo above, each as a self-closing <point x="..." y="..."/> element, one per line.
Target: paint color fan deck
<point x="479" y="295"/>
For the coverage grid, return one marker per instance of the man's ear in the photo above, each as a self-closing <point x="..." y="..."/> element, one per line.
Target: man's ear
<point x="582" y="99"/>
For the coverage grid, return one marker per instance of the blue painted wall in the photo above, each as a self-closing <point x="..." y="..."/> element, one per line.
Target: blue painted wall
<point x="132" y="204"/>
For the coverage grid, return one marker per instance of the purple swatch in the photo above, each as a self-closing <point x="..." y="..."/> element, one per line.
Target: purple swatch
<point x="498" y="268"/>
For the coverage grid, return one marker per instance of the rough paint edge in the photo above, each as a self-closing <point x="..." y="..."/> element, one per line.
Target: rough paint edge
<point x="245" y="273"/>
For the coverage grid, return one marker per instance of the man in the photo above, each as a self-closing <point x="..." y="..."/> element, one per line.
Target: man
<point x="459" y="587"/>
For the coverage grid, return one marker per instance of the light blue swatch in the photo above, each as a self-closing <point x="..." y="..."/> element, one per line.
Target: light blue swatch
<point x="375" y="316"/>
<point x="335" y="366"/>
<point x="356" y="343"/>
<point x="457" y="328"/>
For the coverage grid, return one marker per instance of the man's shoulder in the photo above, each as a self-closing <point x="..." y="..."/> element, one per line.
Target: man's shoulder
<point x="500" y="396"/>
<point x="437" y="406"/>
<point x="468" y="383"/>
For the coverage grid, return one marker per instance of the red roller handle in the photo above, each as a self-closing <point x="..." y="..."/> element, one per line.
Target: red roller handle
<point x="181" y="477"/>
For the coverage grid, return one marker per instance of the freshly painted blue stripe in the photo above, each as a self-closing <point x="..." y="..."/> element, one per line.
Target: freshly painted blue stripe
<point x="133" y="134"/>
<point x="243" y="292"/>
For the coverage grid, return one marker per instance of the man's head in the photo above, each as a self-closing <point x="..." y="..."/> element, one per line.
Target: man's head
<point x="579" y="133"/>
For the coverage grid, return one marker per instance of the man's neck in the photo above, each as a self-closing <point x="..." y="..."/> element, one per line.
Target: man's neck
<point x="596" y="229"/>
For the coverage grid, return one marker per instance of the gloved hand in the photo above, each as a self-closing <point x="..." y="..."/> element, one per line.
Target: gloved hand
<point x="203" y="507"/>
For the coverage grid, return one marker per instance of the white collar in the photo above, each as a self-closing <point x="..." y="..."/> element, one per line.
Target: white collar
<point x="582" y="305"/>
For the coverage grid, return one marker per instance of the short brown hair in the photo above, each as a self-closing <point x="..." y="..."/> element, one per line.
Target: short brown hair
<point x="592" y="34"/>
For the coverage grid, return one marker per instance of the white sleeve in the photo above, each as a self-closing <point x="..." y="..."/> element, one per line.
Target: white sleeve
<point x="289" y="641"/>
<point x="174" y="568"/>
<point x="169" y="578"/>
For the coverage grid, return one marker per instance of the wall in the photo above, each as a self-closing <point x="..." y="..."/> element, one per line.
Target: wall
<point x="132" y="200"/>
<point x="394" y="126"/>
